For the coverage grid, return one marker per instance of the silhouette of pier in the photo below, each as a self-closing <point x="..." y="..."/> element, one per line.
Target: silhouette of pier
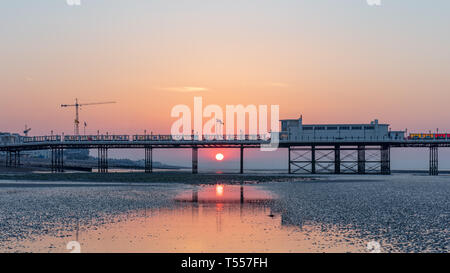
<point x="313" y="156"/>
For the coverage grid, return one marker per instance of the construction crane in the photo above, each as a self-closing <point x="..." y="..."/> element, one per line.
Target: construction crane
<point x="25" y="132"/>
<point x="77" y="108"/>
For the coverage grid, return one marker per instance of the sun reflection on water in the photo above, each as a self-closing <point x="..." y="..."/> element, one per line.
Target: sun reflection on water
<point x="219" y="190"/>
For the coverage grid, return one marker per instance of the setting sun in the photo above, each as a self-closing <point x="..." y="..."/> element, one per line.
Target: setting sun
<point x="219" y="157"/>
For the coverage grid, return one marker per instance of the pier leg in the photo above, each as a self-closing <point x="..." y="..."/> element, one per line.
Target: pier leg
<point x="61" y="160"/>
<point x="434" y="160"/>
<point x="242" y="160"/>
<point x="337" y="159"/>
<point x="98" y="159"/>
<point x="53" y="160"/>
<point x="59" y="163"/>
<point x="56" y="167"/>
<point x="194" y="160"/>
<point x="102" y="160"/>
<point x="242" y="194"/>
<point x="385" y="159"/>
<point x="57" y="160"/>
<point x="289" y="160"/>
<point x="361" y="159"/>
<point x="106" y="160"/>
<point x="148" y="160"/>
<point x="100" y="156"/>
<point x="12" y="159"/>
<point x="313" y="159"/>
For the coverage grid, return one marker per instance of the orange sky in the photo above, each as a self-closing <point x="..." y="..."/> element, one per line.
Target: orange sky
<point x="331" y="61"/>
<point x="348" y="63"/>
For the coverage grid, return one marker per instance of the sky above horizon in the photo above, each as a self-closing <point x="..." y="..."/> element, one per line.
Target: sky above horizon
<point x="332" y="61"/>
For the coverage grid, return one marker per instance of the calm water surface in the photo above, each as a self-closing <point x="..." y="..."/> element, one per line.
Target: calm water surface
<point x="219" y="218"/>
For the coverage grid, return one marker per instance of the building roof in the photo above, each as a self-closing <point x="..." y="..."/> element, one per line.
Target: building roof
<point x="374" y="122"/>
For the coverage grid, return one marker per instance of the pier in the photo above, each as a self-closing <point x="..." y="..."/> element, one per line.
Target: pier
<point x="311" y="156"/>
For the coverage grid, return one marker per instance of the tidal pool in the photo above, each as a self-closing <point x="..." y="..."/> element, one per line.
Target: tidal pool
<point x="219" y="218"/>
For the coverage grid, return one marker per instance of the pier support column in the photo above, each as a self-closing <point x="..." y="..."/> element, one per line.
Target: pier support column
<point x="361" y="159"/>
<point x="242" y="160"/>
<point x="337" y="159"/>
<point x="385" y="159"/>
<point x="13" y="162"/>
<point x="313" y="159"/>
<point x="434" y="160"/>
<point x="148" y="159"/>
<point x="57" y="160"/>
<point x="14" y="159"/>
<point x="61" y="160"/>
<point x="53" y="160"/>
<point x="10" y="159"/>
<point x="242" y="194"/>
<point x="195" y="160"/>
<point x="289" y="160"/>
<point x="102" y="159"/>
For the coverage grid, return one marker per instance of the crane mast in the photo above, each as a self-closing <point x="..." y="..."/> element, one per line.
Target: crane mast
<point x="25" y="132"/>
<point x="77" y="108"/>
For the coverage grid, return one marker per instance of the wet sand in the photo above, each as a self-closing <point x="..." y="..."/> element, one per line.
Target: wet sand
<point x="157" y="177"/>
<point x="404" y="213"/>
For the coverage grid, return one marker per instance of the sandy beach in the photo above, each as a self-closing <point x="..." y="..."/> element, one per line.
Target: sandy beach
<point x="403" y="213"/>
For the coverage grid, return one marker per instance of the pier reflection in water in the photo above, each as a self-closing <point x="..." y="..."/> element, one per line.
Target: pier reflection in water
<point x="220" y="218"/>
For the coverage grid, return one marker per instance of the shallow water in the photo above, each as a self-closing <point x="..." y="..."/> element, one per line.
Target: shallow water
<point x="221" y="193"/>
<point x="221" y="218"/>
<point x="401" y="213"/>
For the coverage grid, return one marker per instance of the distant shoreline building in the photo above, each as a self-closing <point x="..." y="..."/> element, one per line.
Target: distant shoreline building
<point x="294" y="129"/>
<point x="9" y="138"/>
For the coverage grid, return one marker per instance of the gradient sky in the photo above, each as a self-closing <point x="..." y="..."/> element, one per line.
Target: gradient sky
<point x="332" y="61"/>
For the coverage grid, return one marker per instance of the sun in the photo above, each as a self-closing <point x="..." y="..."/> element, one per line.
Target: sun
<point x="219" y="157"/>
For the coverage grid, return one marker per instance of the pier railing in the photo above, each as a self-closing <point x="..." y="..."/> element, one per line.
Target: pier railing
<point x="224" y="138"/>
<point x="133" y="138"/>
